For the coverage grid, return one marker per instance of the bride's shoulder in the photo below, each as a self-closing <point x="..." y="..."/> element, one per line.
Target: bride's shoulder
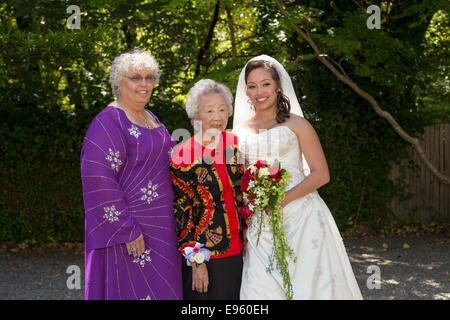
<point x="299" y="124"/>
<point x="297" y="121"/>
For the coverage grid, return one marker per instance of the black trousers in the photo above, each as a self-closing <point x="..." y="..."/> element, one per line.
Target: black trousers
<point x="225" y="275"/>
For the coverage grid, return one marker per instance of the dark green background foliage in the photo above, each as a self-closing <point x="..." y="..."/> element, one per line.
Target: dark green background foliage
<point x="53" y="81"/>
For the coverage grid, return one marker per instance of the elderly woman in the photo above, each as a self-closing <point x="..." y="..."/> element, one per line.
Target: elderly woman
<point x="206" y="202"/>
<point x="131" y="244"/>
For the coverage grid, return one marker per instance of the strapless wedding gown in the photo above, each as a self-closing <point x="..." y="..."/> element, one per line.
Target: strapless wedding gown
<point x="322" y="269"/>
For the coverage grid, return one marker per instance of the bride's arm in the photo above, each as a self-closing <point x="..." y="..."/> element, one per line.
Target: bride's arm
<point x="312" y="150"/>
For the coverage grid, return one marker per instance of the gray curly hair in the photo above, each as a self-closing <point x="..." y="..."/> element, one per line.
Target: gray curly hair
<point x="202" y="88"/>
<point x="133" y="60"/>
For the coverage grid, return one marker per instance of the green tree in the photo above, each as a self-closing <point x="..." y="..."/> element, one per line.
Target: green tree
<point x="54" y="80"/>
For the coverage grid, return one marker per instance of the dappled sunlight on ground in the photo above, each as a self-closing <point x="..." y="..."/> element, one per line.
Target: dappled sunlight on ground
<point x="410" y="267"/>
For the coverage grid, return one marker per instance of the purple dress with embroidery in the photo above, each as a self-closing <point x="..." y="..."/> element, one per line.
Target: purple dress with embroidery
<point x="127" y="191"/>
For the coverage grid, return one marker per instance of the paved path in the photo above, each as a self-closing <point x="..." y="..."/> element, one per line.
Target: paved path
<point x="421" y="271"/>
<point x="418" y="272"/>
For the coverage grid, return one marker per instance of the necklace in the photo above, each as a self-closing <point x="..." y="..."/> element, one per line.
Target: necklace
<point x="138" y="119"/>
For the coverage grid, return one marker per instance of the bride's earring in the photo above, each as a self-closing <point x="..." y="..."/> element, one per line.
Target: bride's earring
<point x="251" y="105"/>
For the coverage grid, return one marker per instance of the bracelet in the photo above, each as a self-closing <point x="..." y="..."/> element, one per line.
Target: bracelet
<point x="196" y="255"/>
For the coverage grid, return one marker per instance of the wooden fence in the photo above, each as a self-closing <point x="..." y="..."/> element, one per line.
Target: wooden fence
<point x="430" y="197"/>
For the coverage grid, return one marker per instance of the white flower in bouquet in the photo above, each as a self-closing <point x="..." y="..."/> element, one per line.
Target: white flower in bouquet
<point x="263" y="172"/>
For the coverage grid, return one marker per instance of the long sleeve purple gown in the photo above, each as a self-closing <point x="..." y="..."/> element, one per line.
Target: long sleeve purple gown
<point x="127" y="192"/>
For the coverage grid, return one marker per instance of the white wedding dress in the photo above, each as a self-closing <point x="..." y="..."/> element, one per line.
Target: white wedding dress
<point x="322" y="269"/>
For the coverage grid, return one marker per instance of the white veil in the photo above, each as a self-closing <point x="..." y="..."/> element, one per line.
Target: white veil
<point x="243" y="110"/>
<point x="242" y="105"/>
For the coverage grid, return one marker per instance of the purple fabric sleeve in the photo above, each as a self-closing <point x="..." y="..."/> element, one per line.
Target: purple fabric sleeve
<point x="104" y="153"/>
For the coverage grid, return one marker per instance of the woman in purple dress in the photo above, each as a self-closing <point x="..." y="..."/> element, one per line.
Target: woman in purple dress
<point x="131" y="245"/>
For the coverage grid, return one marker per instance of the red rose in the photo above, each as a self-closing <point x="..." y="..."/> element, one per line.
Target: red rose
<point x="245" y="212"/>
<point x="274" y="171"/>
<point x="248" y="176"/>
<point x="244" y="185"/>
<point x="261" y="163"/>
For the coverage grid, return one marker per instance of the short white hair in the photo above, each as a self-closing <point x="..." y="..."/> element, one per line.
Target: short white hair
<point x="202" y="88"/>
<point x="134" y="60"/>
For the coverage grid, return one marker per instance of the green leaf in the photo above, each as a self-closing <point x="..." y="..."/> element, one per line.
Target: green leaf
<point x="276" y="163"/>
<point x="273" y="200"/>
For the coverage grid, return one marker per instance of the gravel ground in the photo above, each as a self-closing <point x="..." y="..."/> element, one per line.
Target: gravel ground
<point x="410" y="268"/>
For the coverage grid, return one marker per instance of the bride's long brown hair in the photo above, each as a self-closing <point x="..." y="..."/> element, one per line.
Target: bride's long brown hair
<point x="283" y="106"/>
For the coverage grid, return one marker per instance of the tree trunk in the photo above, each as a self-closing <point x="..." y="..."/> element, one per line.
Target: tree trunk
<point x="204" y="50"/>
<point x="231" y="26"/>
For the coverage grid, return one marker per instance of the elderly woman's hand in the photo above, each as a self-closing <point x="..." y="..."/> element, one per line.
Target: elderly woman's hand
<point x="200" y="280"/>
<point x="136" y="247"/>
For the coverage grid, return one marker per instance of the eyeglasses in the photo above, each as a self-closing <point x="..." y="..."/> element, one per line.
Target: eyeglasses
<point x="138" y="79"/>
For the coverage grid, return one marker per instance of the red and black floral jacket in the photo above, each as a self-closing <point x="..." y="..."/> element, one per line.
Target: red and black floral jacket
<point x="206" y="201"/>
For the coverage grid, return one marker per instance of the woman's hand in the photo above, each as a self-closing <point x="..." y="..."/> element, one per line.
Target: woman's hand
<point x="136" y="247"/>
<point x="200" y="280"/>
<point x="288" y="197"/>
<point x="283" y="203"/>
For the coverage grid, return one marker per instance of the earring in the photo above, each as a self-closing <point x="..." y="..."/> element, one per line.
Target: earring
<point x="251" y="105"/>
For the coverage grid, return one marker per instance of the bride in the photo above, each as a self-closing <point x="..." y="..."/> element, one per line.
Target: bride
<point x="269" y="124"/>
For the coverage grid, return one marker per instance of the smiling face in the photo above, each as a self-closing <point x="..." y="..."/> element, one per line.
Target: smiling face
<point x="213" y="114"/>
<point x="262" y="89"/>
<point x="136" y="88"/>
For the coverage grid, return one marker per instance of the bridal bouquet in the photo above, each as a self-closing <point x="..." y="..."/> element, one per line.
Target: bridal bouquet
<point x="263" y="185"/>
